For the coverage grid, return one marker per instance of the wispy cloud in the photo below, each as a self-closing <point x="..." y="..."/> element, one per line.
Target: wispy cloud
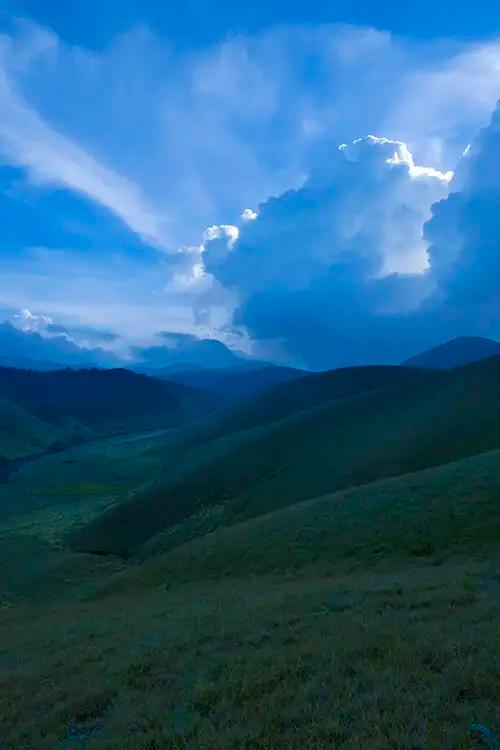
<point x="51" y="159"/>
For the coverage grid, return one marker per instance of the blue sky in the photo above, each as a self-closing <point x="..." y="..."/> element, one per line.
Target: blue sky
<point x="174" y="167"/>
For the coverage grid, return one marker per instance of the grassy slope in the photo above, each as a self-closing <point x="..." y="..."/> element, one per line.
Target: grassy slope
<point x="54" y="495"/>
<point x="102" y="399"/>
<point x="45" y="406"/>
<point x="451" y="509"/>
<point x="233" y="383"/>
<point x="21" y="433"/>
<point x="432" y="419"/>
<point x="300" y="394"/>
<point x="365" y="619"/>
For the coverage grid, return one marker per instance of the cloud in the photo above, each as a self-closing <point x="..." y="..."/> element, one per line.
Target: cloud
<point x="373" y="258"/>
<point x="83" y="336"/>
<point x="60" y="349"/>
<point x="248" y="215"/>
<point x="442" y="102"/>
<point x="174" y="140"/>
<point x="196" y="134"/>
<point x="325" y="257"/>
<point x="463" y="236"/>
<point x="30" y="322"/>
<point x="53" y="160"/>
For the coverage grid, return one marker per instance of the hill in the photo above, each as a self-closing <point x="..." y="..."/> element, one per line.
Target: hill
<point x="27" y="363"/>
<point x="420" y="422"/>
<point x="22" y="433"/>
<point x="264" y="622"/>
<point x="455" y="353"/>
<point x="87" y="403"/>
<point x="414" y="515"/>
<point x="319" y="625"/>
<point x="231" y="383"/>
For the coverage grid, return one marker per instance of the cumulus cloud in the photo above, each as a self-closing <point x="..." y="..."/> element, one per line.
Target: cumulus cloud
<point x="224" y="126"/>
<point x="463" y="236"/>
<point x="248" y="215"/>
<point x="339" y="271"/>
<point x="345" y="246"/>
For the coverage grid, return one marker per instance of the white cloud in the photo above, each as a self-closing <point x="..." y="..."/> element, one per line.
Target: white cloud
<point x="224" y="127"/>
<point x="28" y="321"/>
<point x="366" y="204"/>
<point x="51" y="159"/>
<point x="319" y="255"/>
<point x="235" y="110"/>
<point x="228" y="233"/>
<point x="443" y="99"/>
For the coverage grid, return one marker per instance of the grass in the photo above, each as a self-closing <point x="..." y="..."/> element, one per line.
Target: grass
<point x="364" y="618"/>
<point x="380" y="659"/>
<point x="57" y="494"/>
<point x="342" y="443"/>
<point x="22" y="433"/>
<point x="42" y="409"/>
<point x="452" y="509"/>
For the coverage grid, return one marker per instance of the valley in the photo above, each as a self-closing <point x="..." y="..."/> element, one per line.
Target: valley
<point x="315" y="564"/>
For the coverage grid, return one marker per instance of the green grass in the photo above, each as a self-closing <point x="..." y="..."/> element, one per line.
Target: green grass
<point x="345" y="442"/>
<point x="364" y="618"/>
<point x="42" y="409"/>
<point x="21" y="433"/>
<point x="55" y="495"/>
<point x="452" y="509"/>
<point x="386" y="659"/>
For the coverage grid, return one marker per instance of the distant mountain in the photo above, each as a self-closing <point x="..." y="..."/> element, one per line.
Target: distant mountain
<point x="185" y="350"/>
<point x="86" y="403"/>
<point x="233" y="383"/>
<point x="460" y="351"/>
<point x="27" y="363"/>
<point x="18" y="346"/>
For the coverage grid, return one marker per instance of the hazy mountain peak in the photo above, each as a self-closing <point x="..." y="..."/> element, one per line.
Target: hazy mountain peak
<point x="462" y="350"/>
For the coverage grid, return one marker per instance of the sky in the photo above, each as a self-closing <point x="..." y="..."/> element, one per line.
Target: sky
<point x="315" y="183"/>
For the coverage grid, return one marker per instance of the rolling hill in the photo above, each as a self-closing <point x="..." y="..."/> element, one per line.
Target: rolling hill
<point x="40" y="408"/>
<point x="267" y="580"/>
<point x="455" y="353"/>
<point x="348" y="439"/>
<point x="22" y="433"/>
<point x="232" y="383"/>
<point x="410" y="516"/>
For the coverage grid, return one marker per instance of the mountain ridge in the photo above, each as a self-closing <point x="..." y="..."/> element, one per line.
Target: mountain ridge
<point x="456" y="352"/>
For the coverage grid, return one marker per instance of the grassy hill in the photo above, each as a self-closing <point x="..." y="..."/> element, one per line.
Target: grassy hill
<point x="314" y="568"/>
<point x="22" y="433"/>
<point x="319" y="625"/>
<point x="49" y="406"/>
<point x="232" y="383"/>
<point x="411" y="423"/>
<point x="447" y="510"/>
